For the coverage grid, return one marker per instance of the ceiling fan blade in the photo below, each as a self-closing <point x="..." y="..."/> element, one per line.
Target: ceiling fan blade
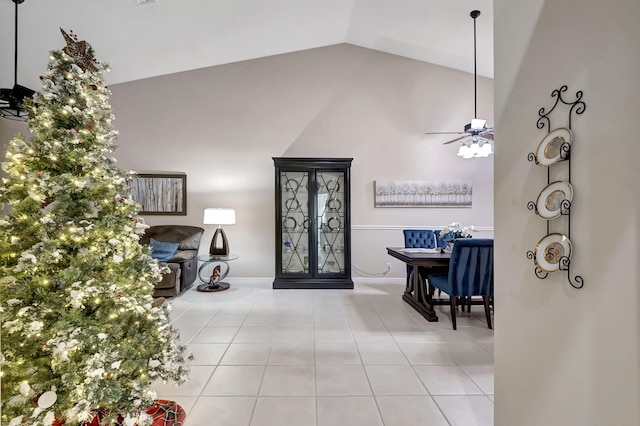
<point x="486" y="135"/>
<point x="455" y="140"/>
<point x="445" y="133"/>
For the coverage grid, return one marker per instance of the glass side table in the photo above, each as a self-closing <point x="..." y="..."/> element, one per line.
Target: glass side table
<point x="213" y="270"/>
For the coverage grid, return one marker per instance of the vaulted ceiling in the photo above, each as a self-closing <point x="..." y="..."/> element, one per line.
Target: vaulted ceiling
<point x="168" y="36"/>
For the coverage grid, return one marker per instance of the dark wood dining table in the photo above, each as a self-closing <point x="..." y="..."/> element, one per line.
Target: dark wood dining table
<point x="418" y="294"/>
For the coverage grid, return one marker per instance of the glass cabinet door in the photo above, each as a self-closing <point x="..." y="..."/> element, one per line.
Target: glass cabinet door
<point x="330" y="222"/>
<point x="295" y="222"/>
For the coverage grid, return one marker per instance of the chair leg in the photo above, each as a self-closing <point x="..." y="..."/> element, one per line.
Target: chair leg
<point x="463" y="301"/>
<point x="452" y="301"/>
<point x="487" y="311"/>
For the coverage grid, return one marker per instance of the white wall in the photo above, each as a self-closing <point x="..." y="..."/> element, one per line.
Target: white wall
<point x="566" y="356"/>
<point x="221" y="125"/>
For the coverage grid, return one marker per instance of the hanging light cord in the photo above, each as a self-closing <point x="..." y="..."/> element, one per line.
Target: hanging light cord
<point x="370" y="274"/>
<point x="15" y="48"/>
<point x="474" y="15"/>
<point x="475" y="72"/>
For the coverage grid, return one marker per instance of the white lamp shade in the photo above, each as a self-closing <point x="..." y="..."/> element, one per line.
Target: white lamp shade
<point x="215" y="216"/>
<point x="463" y="150"/>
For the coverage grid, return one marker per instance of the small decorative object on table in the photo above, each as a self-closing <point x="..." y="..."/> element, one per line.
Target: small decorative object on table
<point x="450" y="233"/>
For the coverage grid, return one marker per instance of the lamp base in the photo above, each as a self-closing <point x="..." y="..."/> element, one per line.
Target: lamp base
<point x="210" y="287"/>
<point x="214" y="249"/>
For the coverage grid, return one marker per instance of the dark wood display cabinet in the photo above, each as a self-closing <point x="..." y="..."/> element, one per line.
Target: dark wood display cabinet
<point x="313" y="224"/>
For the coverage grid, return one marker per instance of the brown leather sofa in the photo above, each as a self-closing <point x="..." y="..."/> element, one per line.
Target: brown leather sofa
<point x="183" y="265"/>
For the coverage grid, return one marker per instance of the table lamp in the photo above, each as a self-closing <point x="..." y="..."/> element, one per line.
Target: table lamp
<point x="217" y="216"/>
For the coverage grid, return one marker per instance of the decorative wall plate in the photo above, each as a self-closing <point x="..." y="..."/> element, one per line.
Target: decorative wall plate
<point x="550" y="149"/>
<point x="549" y="204"/>
<point x="550" y="249"/>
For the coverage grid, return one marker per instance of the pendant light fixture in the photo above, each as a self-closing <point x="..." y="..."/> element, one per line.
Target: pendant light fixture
<point x="476" y="135"/>
<point x="11" y="100"/>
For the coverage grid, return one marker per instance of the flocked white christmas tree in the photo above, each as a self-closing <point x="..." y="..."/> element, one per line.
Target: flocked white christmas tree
<point x="80" y="331"/>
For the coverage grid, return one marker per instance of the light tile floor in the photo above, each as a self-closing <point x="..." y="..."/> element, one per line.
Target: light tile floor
<point x="267" y="357"/>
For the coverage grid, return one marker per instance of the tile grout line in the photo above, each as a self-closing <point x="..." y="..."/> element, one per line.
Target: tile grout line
<point x="382" y="315"/>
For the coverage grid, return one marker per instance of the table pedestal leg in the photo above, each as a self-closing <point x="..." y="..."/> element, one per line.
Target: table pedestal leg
<point x="420" y="300"/>
<point x="214" y="282"/>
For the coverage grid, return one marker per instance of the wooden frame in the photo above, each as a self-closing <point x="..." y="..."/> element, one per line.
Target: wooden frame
<point x="417" y="193"/>
<point x="160" y="193"/>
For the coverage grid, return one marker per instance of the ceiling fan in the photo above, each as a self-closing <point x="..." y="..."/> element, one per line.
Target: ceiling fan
<point x="476" y="135"/>
<point x="11" y="100"/>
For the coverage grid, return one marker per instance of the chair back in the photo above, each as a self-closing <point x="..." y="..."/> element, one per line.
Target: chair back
<point x="440" y="243"/>
<point x="471" y="267"/>
<point x="419" y="238"/>
<point x="188" y="237"/>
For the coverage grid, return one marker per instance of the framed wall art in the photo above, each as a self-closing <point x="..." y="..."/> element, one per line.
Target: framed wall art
<point x="419" y="193"/>
<point x="160" y="193"/>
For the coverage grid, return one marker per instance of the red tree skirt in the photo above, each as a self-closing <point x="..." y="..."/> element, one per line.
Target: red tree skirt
<point x="164" y="413"/>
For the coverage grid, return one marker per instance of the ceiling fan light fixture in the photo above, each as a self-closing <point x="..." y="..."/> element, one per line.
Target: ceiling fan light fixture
<point x="468" y="154"/>
<point x="478" y="124"/>
<point x="10" y="113"/>
<point x="477" y="149"/>
<point x="477" y="128"/>
<point x="485" y="150"/>
<point x="17" y="95"/>
<point x="474" y="148"/>
<point x="463" y="150"/>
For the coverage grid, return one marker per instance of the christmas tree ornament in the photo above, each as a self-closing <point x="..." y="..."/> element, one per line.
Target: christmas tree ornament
<point x="47" y="399"/>
<point x="80" y="51"/>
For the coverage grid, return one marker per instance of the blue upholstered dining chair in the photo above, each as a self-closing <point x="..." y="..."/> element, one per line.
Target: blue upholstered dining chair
<point x="470" y="274"/>
<point x="418" y="238"/>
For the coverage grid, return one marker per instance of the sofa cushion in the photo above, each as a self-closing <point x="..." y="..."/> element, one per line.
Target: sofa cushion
<point x="162" y="250"/>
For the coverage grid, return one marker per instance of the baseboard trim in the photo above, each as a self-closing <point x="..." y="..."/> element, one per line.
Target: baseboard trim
<point x="362" y="280"/>
<point x="396" y="227"/>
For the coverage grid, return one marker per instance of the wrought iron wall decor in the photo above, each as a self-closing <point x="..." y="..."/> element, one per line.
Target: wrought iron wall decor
<point x="417" y="193"/>
<point x="553" y="251"/>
